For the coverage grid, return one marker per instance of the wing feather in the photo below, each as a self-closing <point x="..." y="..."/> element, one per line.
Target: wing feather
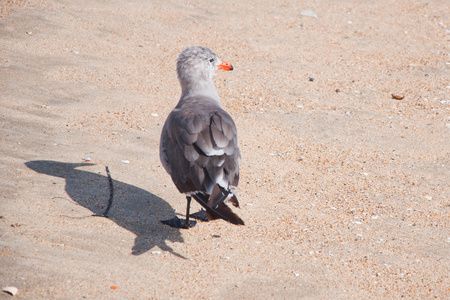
<point x="199" y="148"/>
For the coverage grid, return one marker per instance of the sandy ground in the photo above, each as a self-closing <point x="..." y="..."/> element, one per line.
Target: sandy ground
<point x="344" y="190"/>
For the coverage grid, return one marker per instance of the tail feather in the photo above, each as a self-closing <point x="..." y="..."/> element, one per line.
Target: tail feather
<point x="219" y="195"/>
<point x="215" y="206"/>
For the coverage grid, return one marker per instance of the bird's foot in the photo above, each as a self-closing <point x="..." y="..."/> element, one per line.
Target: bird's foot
<point x="200" y="215"/>
<point x="179" y="223"/>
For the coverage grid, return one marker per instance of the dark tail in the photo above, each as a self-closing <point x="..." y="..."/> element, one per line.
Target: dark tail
<point x="215" y="206"/>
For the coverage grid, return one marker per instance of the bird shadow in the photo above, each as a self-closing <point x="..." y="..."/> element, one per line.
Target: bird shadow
<point x="132" y="208"/>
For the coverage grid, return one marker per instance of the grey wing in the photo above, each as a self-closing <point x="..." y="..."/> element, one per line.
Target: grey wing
<point x="200" y="150"/>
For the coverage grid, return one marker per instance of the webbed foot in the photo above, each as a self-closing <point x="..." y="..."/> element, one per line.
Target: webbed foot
<point x="179" y="223"/>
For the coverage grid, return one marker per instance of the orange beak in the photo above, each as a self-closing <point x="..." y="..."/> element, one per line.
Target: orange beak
<point x="226" y="66"/>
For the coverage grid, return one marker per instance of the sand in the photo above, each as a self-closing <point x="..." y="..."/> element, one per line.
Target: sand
<point x="344" y="189"/>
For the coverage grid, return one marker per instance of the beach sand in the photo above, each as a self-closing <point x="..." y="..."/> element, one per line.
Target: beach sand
<point x="343" y="116"/>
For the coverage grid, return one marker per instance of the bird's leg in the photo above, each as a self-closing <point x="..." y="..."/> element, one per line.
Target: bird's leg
<point x="188" y="208"/>
<point x="179" y="223"/>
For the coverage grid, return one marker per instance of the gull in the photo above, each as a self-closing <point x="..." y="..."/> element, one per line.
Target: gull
<point x="198" y="146"/>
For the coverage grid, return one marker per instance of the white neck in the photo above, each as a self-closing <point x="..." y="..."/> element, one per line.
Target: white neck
<point x="204" y="88"/>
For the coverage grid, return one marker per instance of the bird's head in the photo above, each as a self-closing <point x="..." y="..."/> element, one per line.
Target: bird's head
<point x="199" y="63"/>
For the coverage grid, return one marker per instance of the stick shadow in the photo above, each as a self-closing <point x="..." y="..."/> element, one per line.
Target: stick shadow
<point x="133" y="208"/>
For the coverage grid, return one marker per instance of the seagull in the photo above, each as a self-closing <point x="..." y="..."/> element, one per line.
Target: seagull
<point x="198" y="146"/>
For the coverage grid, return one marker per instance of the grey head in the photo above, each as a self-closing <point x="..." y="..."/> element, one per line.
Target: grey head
<point x="195" y="67"/>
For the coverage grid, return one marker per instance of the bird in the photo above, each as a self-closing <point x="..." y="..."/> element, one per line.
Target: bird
<point x="198" y="146"/>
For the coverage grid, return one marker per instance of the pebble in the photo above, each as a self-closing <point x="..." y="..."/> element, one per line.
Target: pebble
<point x="397" y="97"/>
<point x="309" y="13"/>
<point x="125" y="161"/>
<point x="86" y="158"/>
<point x="12" y="290"/>
<point x="156" y="252"/>
<point x="154" y="115"/>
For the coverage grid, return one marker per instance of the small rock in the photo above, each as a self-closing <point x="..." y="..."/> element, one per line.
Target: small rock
<point x="154" y="115"/>
<point x="125" y="161"/>
<point x="311" y="79"/>
<point x="156" y="252"/>
<point x="309" y="13"/>
<point x="12" y="290"/>
<point x="29" y="33"/>
<point x="397" y="97"/>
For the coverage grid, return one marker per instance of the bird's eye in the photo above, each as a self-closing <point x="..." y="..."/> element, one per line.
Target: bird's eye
<point x="211" y="60"/>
